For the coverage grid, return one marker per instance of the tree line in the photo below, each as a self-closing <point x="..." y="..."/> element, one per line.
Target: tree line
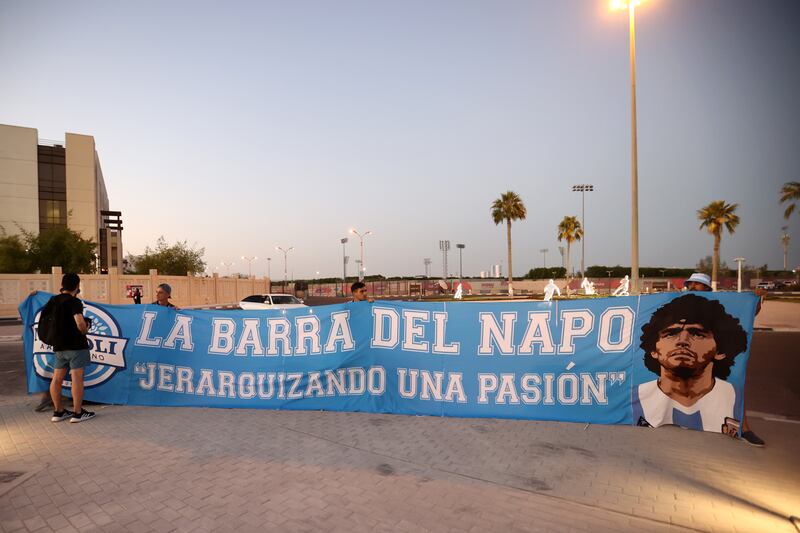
<point x="29" y="252"/>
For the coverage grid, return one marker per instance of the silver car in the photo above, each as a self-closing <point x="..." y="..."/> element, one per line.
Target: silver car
<point x="271" y="301"/>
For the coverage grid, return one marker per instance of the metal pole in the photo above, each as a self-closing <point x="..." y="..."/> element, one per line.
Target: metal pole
<point x="583" y="225"/>
<point x="344" y="266"/>
<point x="361" y="274"/>
<point x="739" y="260"/>
<point x="634" y="160"/>
<point x="361" y="241"/>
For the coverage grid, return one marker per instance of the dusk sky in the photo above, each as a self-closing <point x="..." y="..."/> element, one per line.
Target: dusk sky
<point x="239" y="126"/>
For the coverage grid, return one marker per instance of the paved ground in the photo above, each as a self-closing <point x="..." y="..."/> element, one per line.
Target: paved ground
<point x="780" y="316"/>
<point x="181" y="469"/>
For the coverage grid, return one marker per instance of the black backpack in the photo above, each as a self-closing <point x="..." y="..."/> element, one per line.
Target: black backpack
<point x="47" y="329"/>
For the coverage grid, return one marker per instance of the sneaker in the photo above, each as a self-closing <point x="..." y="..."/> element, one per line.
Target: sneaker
<point x="753" y="439"/>
<point x="44" y="405"/>
<point x="80" y="417"/>
<point x="58" y="416"/>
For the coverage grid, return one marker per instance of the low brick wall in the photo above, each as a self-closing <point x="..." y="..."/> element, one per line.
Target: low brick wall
<point x="112" y="288"/>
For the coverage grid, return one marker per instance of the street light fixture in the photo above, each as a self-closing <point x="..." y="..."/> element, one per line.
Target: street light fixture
<point x="285" y="276"/>
<point x="362" y="268"/>
<point x="227" y="265"/>
<point x="269" y="269"/>
<point x="583" y="189"/>
<point x="630" y="5"/>
<point x="249" y="264"/>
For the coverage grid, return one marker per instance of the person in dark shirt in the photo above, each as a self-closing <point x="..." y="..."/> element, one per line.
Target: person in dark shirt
<point x="71" y="349"/>
<point x="137" y="296"/>
<point x="359" y="292"/>
<point x="163" y="294"/>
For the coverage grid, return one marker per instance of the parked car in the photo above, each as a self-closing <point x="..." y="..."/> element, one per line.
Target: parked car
<point x="766" y="285"/>
<point x="271" y="301"/>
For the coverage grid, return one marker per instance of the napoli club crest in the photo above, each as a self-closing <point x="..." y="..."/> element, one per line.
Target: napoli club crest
<point x="106" y="349"/>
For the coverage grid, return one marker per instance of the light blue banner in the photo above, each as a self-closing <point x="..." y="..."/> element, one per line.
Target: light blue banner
<point x="649" y="360"/>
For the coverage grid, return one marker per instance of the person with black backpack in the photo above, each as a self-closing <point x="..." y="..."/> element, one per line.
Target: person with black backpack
<point x="65" y="329"/>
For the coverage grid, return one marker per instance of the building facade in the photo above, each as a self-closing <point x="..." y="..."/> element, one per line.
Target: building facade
<point x="45" y="184"/>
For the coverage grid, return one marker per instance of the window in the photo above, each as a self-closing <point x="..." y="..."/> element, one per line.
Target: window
<point x="283" y="299"/>
<point x="52" y="187"/>
<point x="256" y="298"/>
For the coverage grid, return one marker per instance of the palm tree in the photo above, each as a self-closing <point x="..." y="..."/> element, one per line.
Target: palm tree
<point x="569" y="230"/>
<point x="790" y="194"/>
<point x="507" y="208"/>
<point x="716" y="217"/>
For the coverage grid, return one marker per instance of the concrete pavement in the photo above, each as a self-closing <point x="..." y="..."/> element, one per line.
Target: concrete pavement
<point x="779" y="316"/>
<point x="181" y="469"/>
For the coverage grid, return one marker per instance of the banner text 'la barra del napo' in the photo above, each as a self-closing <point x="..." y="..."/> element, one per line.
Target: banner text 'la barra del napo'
<point x="673" y="358"/>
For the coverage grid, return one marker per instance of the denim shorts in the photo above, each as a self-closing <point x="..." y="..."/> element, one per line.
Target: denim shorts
<point x="72" y="358"/>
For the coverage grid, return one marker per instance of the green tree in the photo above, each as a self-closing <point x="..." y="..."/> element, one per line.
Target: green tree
<point x="507" y="208"/>
<point x="570" y="230"/>
<point x="14" y="257"/>
<point x="546" y="273"/>
<point x="171" y="260"/>
<point x="790" y="194"/>
<point x="716" y="217"/>
<point x="60" y="246"/>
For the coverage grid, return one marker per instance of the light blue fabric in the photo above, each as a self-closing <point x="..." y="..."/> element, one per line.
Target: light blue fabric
<point x="570" y="360"/>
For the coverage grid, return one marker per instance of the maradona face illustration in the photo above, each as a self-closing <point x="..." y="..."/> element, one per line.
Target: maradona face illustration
<point x="691" y="343"/>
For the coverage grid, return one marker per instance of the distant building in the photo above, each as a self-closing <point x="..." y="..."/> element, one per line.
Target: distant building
<point x="45" y="184"/>
<point x="496" y="271"/>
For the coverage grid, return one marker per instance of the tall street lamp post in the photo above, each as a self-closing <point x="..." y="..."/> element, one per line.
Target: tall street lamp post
<point x="343" y="240"/>
<point x="249" y="264"/>
<point x="285" y="275"/>
<point x="362" y="268"/>
<point x="269" y="269"/>
<point x="631" y="5"/>
<point x="739" y="261"/>
<point x="460" y="260"/>
<point x="583" y="189"/>
<point x="544" y="256"/>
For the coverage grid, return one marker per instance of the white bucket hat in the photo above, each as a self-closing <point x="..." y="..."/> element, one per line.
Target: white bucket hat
<point x="699" y="278"/>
